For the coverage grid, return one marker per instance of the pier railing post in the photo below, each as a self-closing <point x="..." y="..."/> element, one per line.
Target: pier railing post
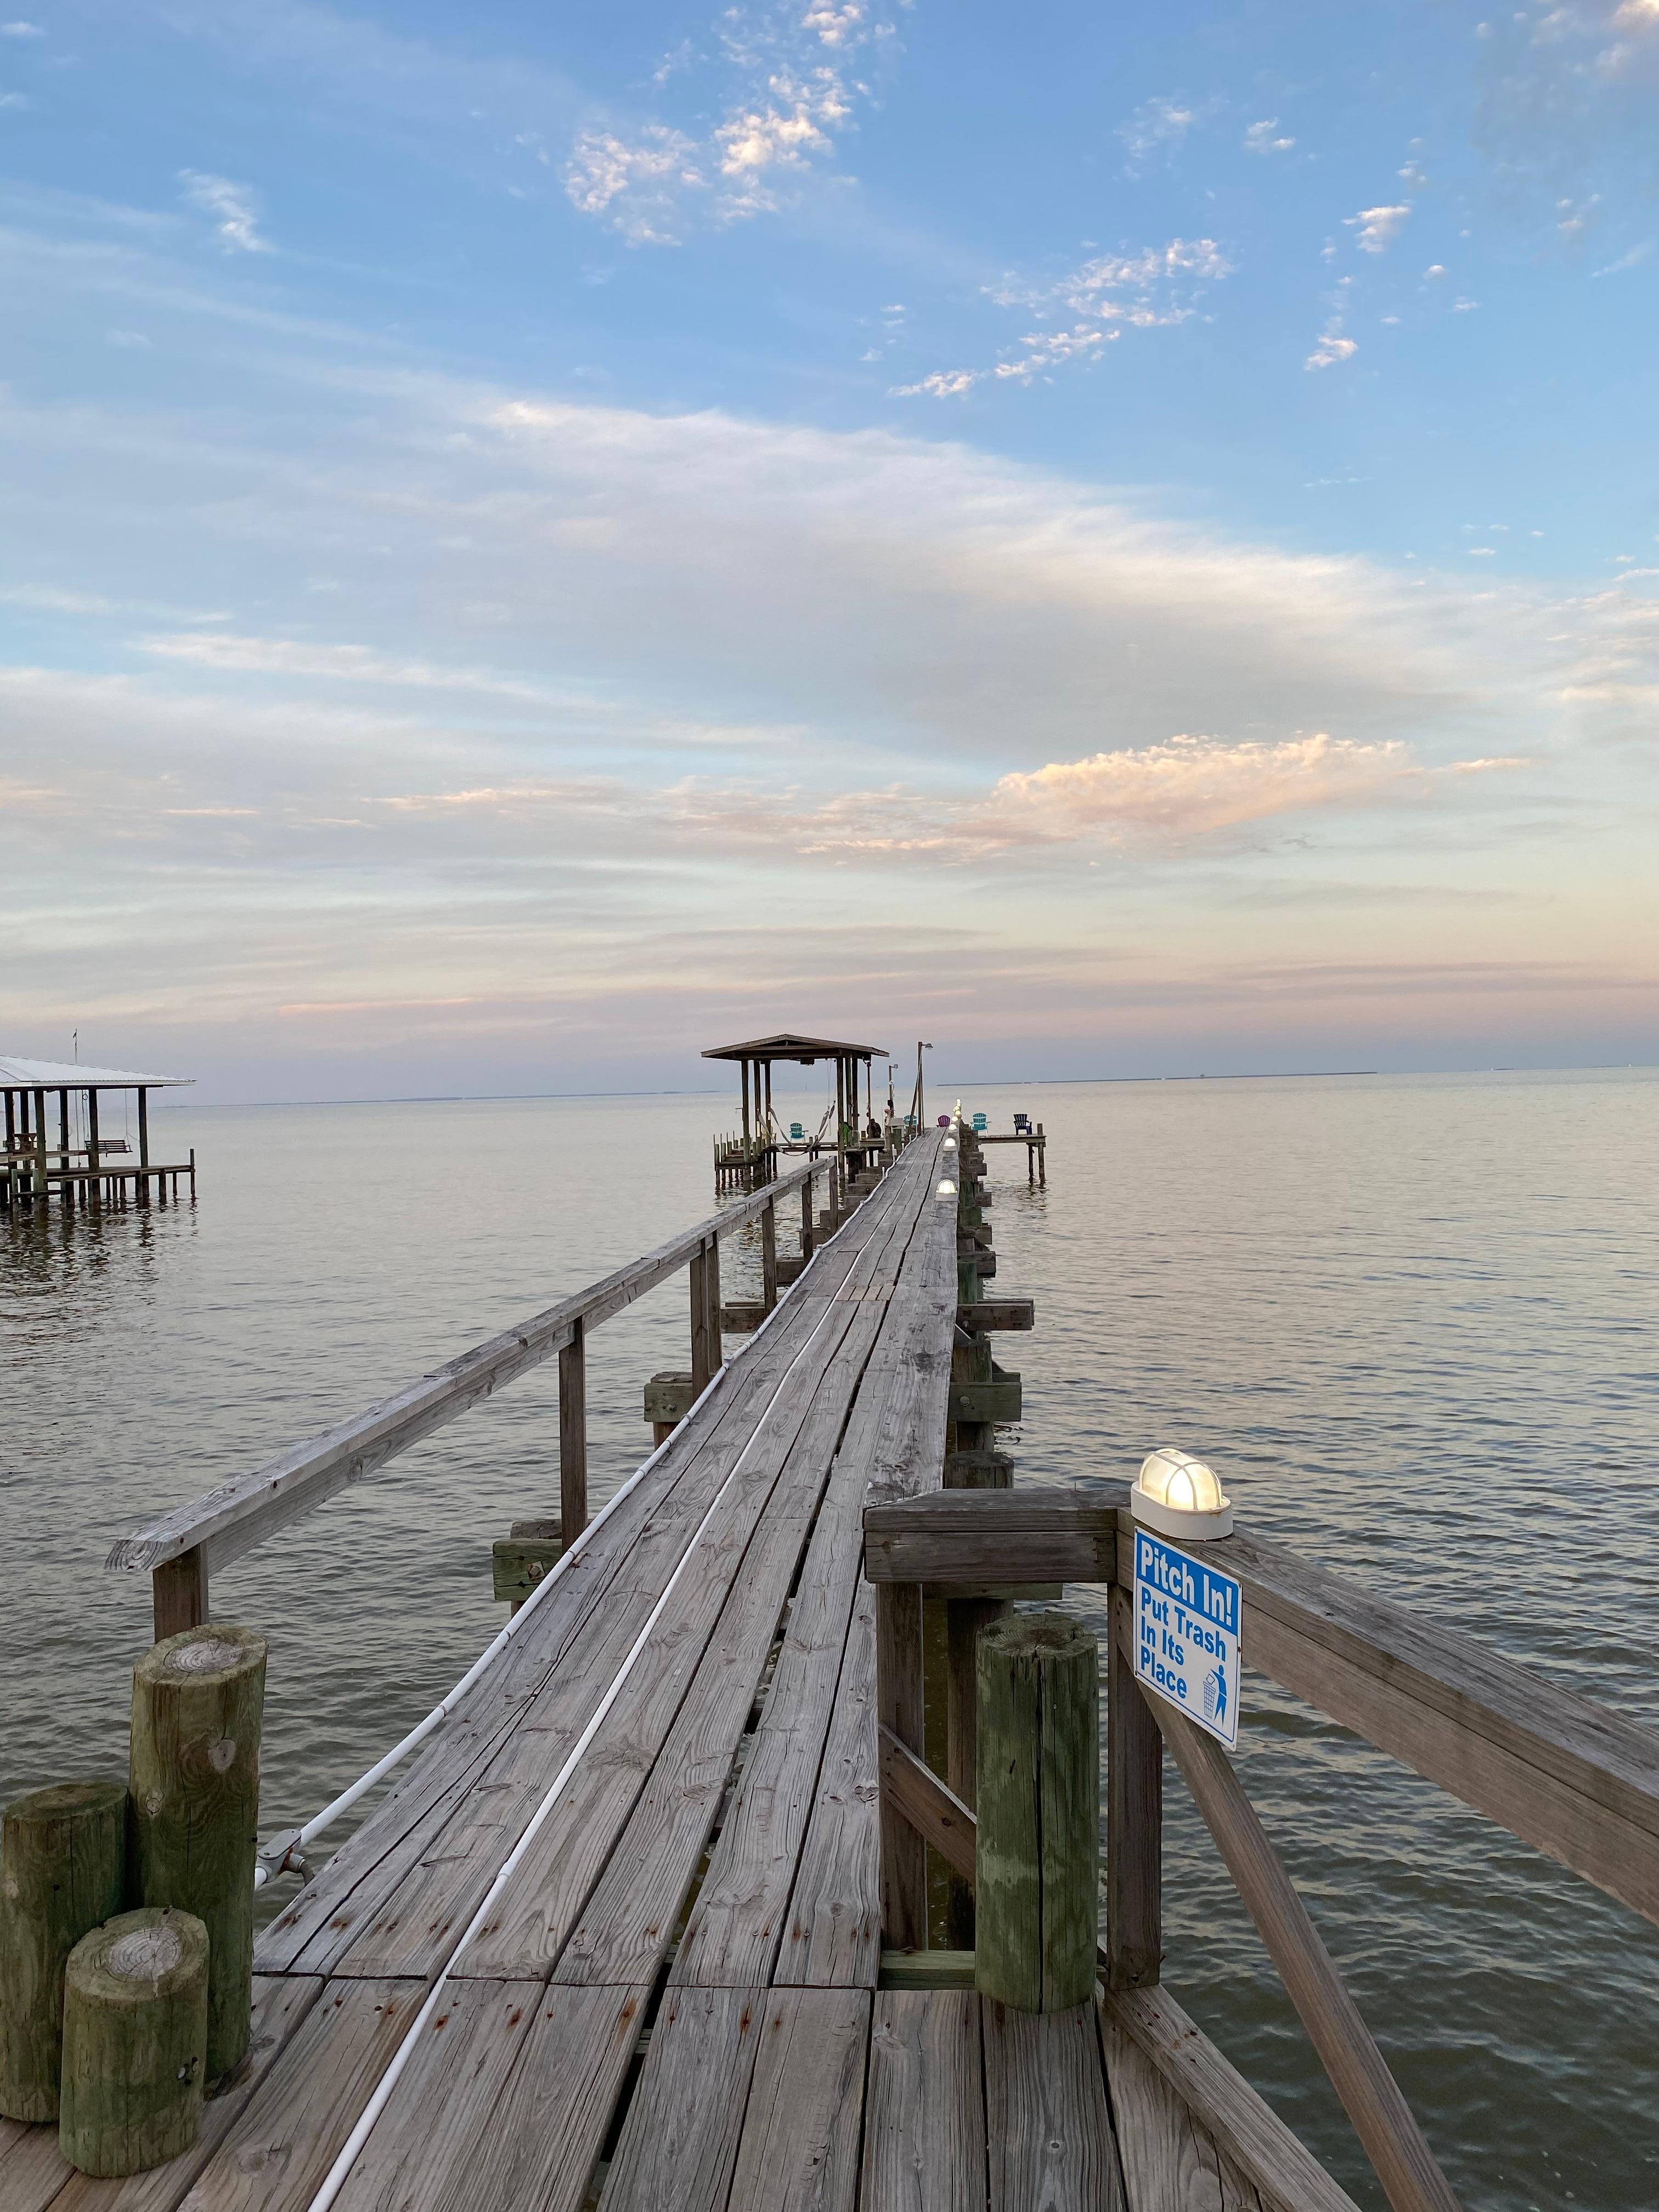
<point x="703" y="1368"/>
<point x="770" y="1258"/>
<point x="179" y="1589"/>
<point x="807" y="1216"/>
<point x="1134" y="1816"/>
<point x="573" y="1434"/>
<point x="900" y="1706"/>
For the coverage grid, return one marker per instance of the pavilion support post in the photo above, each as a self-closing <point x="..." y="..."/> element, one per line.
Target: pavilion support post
<point x="743" y="1069"/>
<point x="41" y="1185"/>
<point x="63" y="1136"/>
<point x="94" y="1154"/>
<point x="770" y="1258"/>
<point x="573" y="1434"/>
<point x="900" y="1707"/>
<point x="143" y="1143"/>
<point x="1134" y="1815"/>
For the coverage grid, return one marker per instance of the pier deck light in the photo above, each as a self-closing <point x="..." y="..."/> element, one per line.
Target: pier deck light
<point x="946" y="1190"/>
<point x="1180" y="1496"/>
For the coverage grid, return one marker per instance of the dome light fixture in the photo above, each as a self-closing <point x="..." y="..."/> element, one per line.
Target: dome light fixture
<point x="946" y="1190"/>
<point x="1179" y="1496"/>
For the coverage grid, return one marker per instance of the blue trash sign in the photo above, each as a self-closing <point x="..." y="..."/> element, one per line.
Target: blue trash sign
<point x="1187" y="1626"/>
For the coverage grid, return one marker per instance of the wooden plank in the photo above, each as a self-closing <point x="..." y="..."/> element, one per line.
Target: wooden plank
<point x="530" y="1923"/>
<point x="1049" y="2132"/>
<point x="280" y="2004"/>
<point x="281" y="2145"/>
<point x="897" y="1435"/>
<point x="927" y="1970"/>
<point x="833" y="1932"/>
<point x="511" y="2122"/>
<point x="423" y="2149"/>
<point x="924" y="2127"/>
<point x="1382" y="2118"/>
<point x="798" y="2151"/>
<point x="1168" y="2162"/>
<point x="1033" y="1534"/>
<point x="935" y="1812"/>
<point x="33" y="2170"/>
<point x="679" y="2141"/>
<point x="1249" y="2135"/>
<point x="234" y="1516"/>
<point x="737" y="1924"/>
<point x="626" y="1926"/>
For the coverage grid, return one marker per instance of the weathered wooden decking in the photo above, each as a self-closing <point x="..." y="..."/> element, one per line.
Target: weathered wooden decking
<point x="676" y="2001"/>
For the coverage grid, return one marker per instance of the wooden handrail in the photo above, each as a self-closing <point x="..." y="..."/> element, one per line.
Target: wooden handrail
<point x="1384" y="2122"/>
<point x="232" y="1518"/>
<point x="1559" y="1771"/>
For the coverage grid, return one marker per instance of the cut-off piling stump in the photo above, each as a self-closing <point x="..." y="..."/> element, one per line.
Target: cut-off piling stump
<point x="197" y="1707"/>
<point x="65" y="1852"/>
<point x="1038" y="1836"/>
<point x="135" y="2042"/>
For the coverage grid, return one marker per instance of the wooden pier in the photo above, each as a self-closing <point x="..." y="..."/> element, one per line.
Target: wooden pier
<point x="79" y="1166"/>
<point x="649" y="1923"/>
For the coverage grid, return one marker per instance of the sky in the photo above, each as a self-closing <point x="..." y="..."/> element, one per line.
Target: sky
<point x="537" y="540"/>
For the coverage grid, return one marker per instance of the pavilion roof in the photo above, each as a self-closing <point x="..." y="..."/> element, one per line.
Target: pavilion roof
<point x="69" y="1075"/>
<point x="787" y="1045"/>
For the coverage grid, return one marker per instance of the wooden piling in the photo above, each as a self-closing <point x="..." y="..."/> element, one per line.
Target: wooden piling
<point x="769" y="1228"/>
<point x="1038" y="1837"/>
<point x="806" y="1218"/>
<point x="197" y="1706"/>
<point x="64" y="1851"/>
<point x="135" y="2041"/>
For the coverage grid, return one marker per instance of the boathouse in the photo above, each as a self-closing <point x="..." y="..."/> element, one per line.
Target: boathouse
<point x="750" y="1156"/>
<point x="60" y="1140"/>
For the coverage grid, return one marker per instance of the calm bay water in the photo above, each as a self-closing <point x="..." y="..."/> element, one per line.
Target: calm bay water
<point x="1410" y="1319"/>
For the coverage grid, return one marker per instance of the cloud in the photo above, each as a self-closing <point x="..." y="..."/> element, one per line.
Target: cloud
<point x="1332" y="347"/>
<point x="638" y="188"/>
<point x="1158" y="127"/>
<point x="231" y="206"/>
<point x="1633" y="259"/>
<point x="1259" y="138"/>
<point x="789" y="88"/>
<point x="21" y="30"/>
<point x="1378" y="227"/>
<point x="943" y="384"/>
<point x="1153" y="289"/>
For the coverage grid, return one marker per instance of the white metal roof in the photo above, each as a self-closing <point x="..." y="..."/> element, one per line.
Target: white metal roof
<point x="67" y="1075"/>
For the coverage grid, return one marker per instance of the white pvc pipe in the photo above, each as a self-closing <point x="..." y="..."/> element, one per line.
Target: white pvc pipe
<point x="352" y="2148"/>
<point x="417" y="1735"/>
